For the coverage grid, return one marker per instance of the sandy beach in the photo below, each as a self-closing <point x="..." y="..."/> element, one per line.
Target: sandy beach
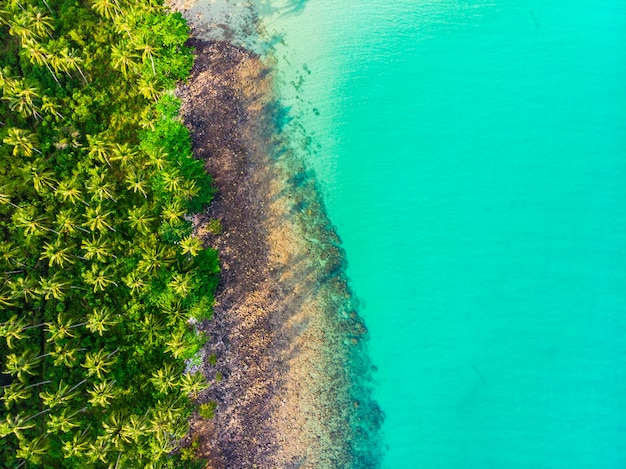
<point x="285" y="333"/>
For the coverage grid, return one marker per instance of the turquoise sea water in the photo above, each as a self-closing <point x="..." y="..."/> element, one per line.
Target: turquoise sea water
<point x="472" y="155"/>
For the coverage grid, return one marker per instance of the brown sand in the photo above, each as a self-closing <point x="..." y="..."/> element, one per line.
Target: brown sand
<point x="283" y="330"/>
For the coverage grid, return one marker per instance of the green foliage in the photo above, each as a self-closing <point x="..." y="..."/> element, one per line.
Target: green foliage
<point x="207" y="411"/>
<point x="101" y="270"/>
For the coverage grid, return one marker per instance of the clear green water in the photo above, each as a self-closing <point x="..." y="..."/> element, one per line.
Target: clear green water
<point x="472" y="155"/>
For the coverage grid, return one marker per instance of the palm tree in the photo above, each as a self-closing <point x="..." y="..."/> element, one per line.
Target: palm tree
<point x="165" y="378"/>
<point x="23" y="141"/>
<point x="113" y="427"/>
<point x="182" y="284"/>
<point x="135" y="281"/>
<point x="107" y="8"/>
<point x="26" y="217"/>
<point x="41" y="23"/>
<point x="152" y="327"/>
<point x="37" y="54"/>
<point x="134" y="428"/>
<point x="15" y="424"/>
<point x="191" y="245"/>
<point x="22" y="101"/>
<point x="101" y="320"/>
<point x="99" y="249"/>
<point x="57" y="254"/>
<point x="136" y="182"/>
<point x="102" y="393"/>
<point x="100" y="187"/>
<point x="62" y="328"/>
<point x="72" y="61"/>
<point x="61" y="396"/>
<point x="68" y="190"/>
<point x="78" y="445"/>
<point x="173" y="211"/>
<point x="140" y="219"/>
<point x="178" y="345"/>
<point x="41" y="177"/>
<point x="97" y="219"/>
<point x="65" y="354"/>
<point x="123" y="58"/>
<point x="149" y="88"/>
<point x="148" y="50"/>
<point x="98" y="363"/>
<point x="53" y="287"/>
<point x="48" y="104"/>
<point x="124" y="154"/>
<point x="98" y="278"/>
<point x="172" y="180"/>
<point x="193" y="383"/>
<point x="22" y="365"/>
<point x="25" y="287"/>
<point x="32" y="450"/>
<point x="14" y="329"/>
<point x="67" y="223"/>
<point x="17" y="391"/>
<point x="99" y="148"/>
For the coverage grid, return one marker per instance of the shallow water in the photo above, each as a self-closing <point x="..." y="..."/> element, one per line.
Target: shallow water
<point x="473" y="158"/>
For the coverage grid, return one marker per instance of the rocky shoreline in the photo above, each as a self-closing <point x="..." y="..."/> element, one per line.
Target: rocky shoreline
<point x="285" y="335"/>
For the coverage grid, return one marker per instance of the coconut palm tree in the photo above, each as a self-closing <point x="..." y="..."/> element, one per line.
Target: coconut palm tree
<point x="136" y="182"/>
<point x="173" y="211"/>
<point x="24" y="142"/>
<point x="98" y="248"/>
<point x="22" y="101"/>
<point x="107" y="8"/>
<point x="53" y="287"/>
<point x="102" y="393"/>
<point x="65" y="354"/>
<point x="98" y="363"/>
<point x="99" y="278"/>
<point x="191" y="245"/>
<point x="136" y="282"/>
<point x="57" y="254"/>
<point x="165" y="378"/>
<point x="113" y="427"/>
<point x="97" y="219"/>
<point x="140" y="219"/>
<point x="15" y="424"/>
<point x="182" y="284"/>
<point x="193" y="383"/>
<point x="100" y="187"/>
<point x="48" y="103"/>
<point x="123" y="58"/>
<point x="78" y="445"/>
<point x="62" y="328"/>
<point x="101" y="320"/>
<point x="18" y="391"/>
<point x="63" y="422"/>
<point x="33" y="449"/>
<point x="99" y="148"/>
<point x="23" y="364"/>
<point x="61" y="396"/>
<point x="67" y="222"/>
<point x="26" y="217"/>
<point x="69" y="190"/>
<point x="177" y="344"/>
<point x="37" y="54"/>
<point x="26" y="288"/>
<point x="148" y="50"/>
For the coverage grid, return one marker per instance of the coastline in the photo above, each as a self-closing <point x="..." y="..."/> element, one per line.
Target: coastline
<point x="285" y="332"/>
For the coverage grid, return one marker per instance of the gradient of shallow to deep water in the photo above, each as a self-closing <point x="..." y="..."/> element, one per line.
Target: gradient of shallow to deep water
<point x="472" y="155"/>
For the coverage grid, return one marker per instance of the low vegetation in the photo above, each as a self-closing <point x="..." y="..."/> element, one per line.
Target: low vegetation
<point x="101" y="274"/>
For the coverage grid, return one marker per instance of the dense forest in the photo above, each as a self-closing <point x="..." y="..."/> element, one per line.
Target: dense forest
<point x="102" y="278"/>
